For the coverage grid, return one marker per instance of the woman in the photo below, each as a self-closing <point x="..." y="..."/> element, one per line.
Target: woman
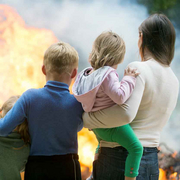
<point x="148" y="109"/>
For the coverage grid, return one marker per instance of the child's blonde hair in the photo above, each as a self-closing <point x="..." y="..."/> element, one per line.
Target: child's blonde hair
<point x="60" y="58"/>
<point x="108" y="50"/>
<point x="22" y="129"/>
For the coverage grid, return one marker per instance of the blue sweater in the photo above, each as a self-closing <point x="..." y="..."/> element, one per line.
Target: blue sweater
<point x="54" y="118"/>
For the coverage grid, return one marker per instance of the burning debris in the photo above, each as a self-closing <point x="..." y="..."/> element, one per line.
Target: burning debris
<point x="169" y="163"/>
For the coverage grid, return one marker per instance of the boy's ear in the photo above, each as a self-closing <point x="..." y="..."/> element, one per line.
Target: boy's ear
<point x="74" y="73"/>
<point x="44" y="70"/>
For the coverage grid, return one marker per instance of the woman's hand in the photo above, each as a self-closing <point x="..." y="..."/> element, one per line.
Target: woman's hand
<point x="131" y="72"/>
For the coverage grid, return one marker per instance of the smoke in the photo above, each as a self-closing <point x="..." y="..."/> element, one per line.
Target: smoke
<point x="80" y="22"/>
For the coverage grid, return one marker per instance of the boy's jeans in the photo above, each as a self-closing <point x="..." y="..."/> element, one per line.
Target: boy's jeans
<point x="111" y="163"/>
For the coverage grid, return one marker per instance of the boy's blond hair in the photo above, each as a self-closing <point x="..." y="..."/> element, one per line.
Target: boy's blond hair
<point x="22" y="129"/>
<point x="60" y="58"/>
<point x="108" y="50"/>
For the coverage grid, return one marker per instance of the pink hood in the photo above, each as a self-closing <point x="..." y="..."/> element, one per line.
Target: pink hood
<point x="86" y="86"/>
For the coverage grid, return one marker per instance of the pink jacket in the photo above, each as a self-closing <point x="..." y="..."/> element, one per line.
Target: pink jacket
<point x="101" y="88"/>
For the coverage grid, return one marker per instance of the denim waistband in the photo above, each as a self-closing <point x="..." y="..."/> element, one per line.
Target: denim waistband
<point x="150" y="149"/>
<point x="122" y="149"/>
<point x="118" y="149"/>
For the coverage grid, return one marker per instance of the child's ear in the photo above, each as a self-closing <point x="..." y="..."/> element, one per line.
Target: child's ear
<point x="44" y="70"/>
<point x="74" y="73"/>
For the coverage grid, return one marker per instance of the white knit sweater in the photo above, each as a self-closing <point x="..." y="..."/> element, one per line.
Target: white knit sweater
<point x="147" y="110"/>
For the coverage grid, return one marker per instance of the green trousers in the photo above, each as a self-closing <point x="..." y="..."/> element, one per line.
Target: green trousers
<point x="125" y="136"/>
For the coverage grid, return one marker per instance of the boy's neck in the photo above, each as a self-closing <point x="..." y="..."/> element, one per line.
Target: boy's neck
<point x="64" y="78"/>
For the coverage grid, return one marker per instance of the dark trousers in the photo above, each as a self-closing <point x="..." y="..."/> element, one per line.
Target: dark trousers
<point x="111" y="164"/>
<point x="60" y="167"/>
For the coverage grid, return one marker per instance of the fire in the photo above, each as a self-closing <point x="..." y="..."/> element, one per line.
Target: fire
<point x="168" y="164"/>
<point x="174" y="154"/>
<point x="21" y="54"/>
<point x="162" y="174"/>
<point x="173" y="176"/>
<point x="87" y="145"/>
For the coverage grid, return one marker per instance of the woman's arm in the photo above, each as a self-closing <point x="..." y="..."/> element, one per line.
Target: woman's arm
<point x="117" y="115"/>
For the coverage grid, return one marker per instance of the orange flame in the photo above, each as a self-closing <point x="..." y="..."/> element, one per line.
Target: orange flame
<point x="174" y="154"/>
<point x="173" y="176"/>
<point x="21" y="54"/>
<point x="162" y="174"/>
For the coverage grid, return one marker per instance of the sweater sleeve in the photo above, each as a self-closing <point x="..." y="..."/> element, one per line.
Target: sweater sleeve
<point x="14" y="117"/>
<point x="117" y="115"/>
<point x="119" y="92"/>
<point x="80" y="125"/>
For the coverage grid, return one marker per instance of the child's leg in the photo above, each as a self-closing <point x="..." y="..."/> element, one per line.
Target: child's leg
<point x="124" y="135"/>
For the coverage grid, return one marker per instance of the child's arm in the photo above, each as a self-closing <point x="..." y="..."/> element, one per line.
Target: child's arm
<point x="14" y="117"/>
<point x="119" y="92"/>
<point x="122" y="115"/>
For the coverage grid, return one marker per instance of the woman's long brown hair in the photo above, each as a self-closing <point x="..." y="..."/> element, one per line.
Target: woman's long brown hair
<point x="158" y="38"/>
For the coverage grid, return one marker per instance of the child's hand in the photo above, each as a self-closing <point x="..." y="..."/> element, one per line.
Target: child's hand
<point x="131" y="72"/>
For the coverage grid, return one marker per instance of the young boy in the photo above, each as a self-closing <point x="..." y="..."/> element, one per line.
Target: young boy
<point x="54" y="118"/>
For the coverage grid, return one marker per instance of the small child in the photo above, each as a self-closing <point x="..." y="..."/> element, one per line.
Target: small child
<point x="99" y="87"/>
<point x="54" y="118"/>
<point x="14" y="149"/>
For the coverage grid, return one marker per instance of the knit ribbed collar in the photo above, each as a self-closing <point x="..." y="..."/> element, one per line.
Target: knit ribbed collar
<point x="57" y="84"/>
